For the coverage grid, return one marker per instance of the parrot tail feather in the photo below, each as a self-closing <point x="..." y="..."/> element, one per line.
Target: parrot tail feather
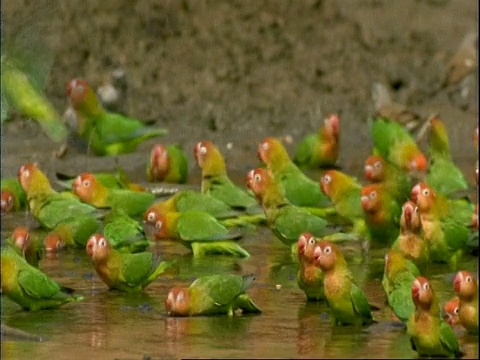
<point x="247" y="305"/>
<point x="219" y="248"/>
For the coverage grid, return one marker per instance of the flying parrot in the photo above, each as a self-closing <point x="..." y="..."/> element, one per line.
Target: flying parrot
<point x="287" y="221"/>
<point x="28" y="247"/>
<point x="49" y="207"/>
<point x="106" y="133"/>
<point x="443" y="175"/>
<point x="299" y="189"/>
<point x="429" y="334"/>
<point x="450" y="311"/>
<point x="410" y="241"/>
<point x="197" y="230"/>
<point x="215" y="181"/>
<point x="395" y="144"/>
<point x="212" y="295"/>
<point x="320" y="149"/>
<point x="466" y="287"/>
<point x="124" y="271"/>
<point x="444" y="231"/>
<point x="377" y="170"/>
<point x="13" y="196"/>
<point x="29" y="287"/>
<point x="398" y="276"/>
<point x="344" y="193"/>
<point x="309" y="276"/>
<point x="382" y="213"/>
<point x="347" y="302"/>
<point x="91" y="191"/>
<point x="168" y="164"/>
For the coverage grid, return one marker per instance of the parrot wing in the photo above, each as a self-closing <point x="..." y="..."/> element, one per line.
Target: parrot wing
<point x="201" y="226"/>
<point x="291" y="221"/>
<point x="445" y="177"/>
<point x="222" y="188"/>
<point x="59" y="208"/>
<point x="303" y="152"/>
<point x="223" y="289"/>
<point x="449" y="339"/>
<point x="190" y="200"/>
<point x="37" y="284"/>
<point x="400" y="299"/>
<point x="178" y="163"/>
<point x="360" y="302"/>
<point x="137" y="267"/>
<point x="131" y="202"/>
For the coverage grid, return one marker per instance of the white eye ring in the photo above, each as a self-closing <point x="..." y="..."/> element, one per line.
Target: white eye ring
<point x="455" y="311"/>
<point x="327" y="179"/>
<point x="373" y="195"/>
<point x="264" y="146"/>
<point x="377" y="165"/>
<point x="257" y="177"/>
<point x="203" y="150"/>
<point x="426" y="286"/>
<point x="327" y="250"/>
<point x="468" y="278"/>
<point x="86" y="183"/>
<point x="25" y="173"/>
<point x="311" y="241"/>
<point x="426" y="192"/>
<point x="158" y="225"/>
<point x="102" y="242"/>
<point x="151" y="216"/>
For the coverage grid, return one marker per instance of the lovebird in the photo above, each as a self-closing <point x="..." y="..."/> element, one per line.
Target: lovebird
<point x="466" y="287"/>
<point x="410" y="241"/>
<point x="221" y="294"/>
<point x="27" y="246"/>
<point x="395" y="144"/>
<point x="320" y="149"/>
<point x="168" y="164"/>
<point x="299" y="189"/>
<point x="450" y="311"/>
<point x="124" y="271"/>
<point x="382" y="213"/>
<point x="444" y="231"/>
<point x="49" y="207"/>
<point x="398" y="276"/>
<point x="106" y="133"/>
<point x="344" y="192"/>
<point x="287" y="221"/>
<point x="22" y="89"/>
<point x="13" y="197"/>
<point x="396" y="181"/>
<point x="215" y="181"/>
<point x="91" y="191"/>
<point x="29" y="287"/>
<point x="443" y="175"/>
<point x="347" y="302"/>
<point x="309" y="276"/>
<point x="196" y="230"/>
<point x="429" y="334"/>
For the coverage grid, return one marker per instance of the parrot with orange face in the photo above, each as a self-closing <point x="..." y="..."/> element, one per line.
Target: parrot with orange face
<point x="13" y="197"/>
<point x="28" y="247"/>
<point x="106" y="133"/>
<point x="450" y="311"/>
<point x="347" y="302"/>
<point x="299" y="189"/>
<point x="382" y="213"/>
<point x="321" y="148"/>
<point x="395" y="144"/>
<point x="466" y="287"/>
<point x="309" y="276"/>
<point x="429" y="334"/>
<point x="92" y="192"/>
<point x="123" y="271"/>
<point x="212" y="295"/>
<point x="168" y="164"/>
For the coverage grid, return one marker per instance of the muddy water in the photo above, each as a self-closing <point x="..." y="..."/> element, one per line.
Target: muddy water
<point x="112" y="325"/>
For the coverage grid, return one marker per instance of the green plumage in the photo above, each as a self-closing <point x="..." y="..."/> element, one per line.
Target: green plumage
<point x="75" y="231"/>
<point x="221" y="294"/>
<point x="19" y="197"/>
<point x="29" y="287"/>
<point x="132" y="203"/>
<point x="125" y="233"/>
<point x="190" y="200"/>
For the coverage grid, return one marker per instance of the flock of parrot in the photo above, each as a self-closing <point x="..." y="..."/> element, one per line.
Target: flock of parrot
<point x="410" y="203"/>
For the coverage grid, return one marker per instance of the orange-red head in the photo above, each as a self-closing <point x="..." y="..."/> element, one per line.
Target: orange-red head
<point x="374" y="168"/>
<point x="53" y="243"/>
<point x="21" y="237"/>
<point x="98" y="247"/>
<point x="159" y="162"/>
<point x="332" y="125"/>
<point x="26" y="174"/>
<point x="465" y="284"/>
<point x="370" y="197"/>
<point x="422" y="293"/>
<point x="418" y="163"/>
<point x="258" y="180"/>
<point x="8" y="201"/>
<point x="326" y="255"/>
<point x="84" y="186"/>
<point x="78" y="90"/>
<point x="450" y="310"/>
<point x="177" y="302"/>
<point x="155" y="224"/>
<point x="306" y="245"/>
<point x="424" y="196"/>
<point x="209" y="158"/>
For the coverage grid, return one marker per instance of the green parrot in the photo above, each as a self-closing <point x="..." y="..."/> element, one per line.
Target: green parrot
<point x="212" y="295"/>
<point x="168" y="164"/>
<point x="344" y="192"/>
<point x="321" y="148"/>
<point x="106" y="133"/>
<point x="398" y="276"/>
<point x="286" y="220"/>
<point x="22" y="88"/>
<point x="466" y="287"/>
<point x="443" y="223"/>
<point x="347" y="302"/>
<point x="29" y="287"/>
<point x="382" y="213"/>
<point x="197" y="230"/>
<point x="27" y="246"/>
<point x="395" y="144"/>
<point x="429" y="334"/>
<point x="443" y="175"/>
<point x="91" y="191"/>
<point x="410" y="241"/>
<point x="13" y="196"/>
<point x="309" y="276"/>
<point x="124" y="271"/>
<point x="397" y="183"/>
<point x="49" y="207"/>
<point x="299" y="189"/>
<point x="216" y="182"/>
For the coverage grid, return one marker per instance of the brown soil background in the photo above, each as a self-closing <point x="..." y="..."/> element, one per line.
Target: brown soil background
<point x="237" y="71"/>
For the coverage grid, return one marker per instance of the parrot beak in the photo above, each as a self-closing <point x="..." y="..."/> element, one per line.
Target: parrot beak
<point x="416" y="286"/>
<point x="419" y="163"/>
<point x="457" y="282"/>
<point x="90" y="247"/>
<point x="364" y="201"/>
<point x="149" y="230"/>
<point x="368" y="172"/>
<point x="415" y="192"/>
<point x="249" y="180"/>
<point x="317" y="253"/>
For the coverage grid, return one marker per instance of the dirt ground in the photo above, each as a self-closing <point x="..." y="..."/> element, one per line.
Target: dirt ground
<point x="236" y="71"/>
